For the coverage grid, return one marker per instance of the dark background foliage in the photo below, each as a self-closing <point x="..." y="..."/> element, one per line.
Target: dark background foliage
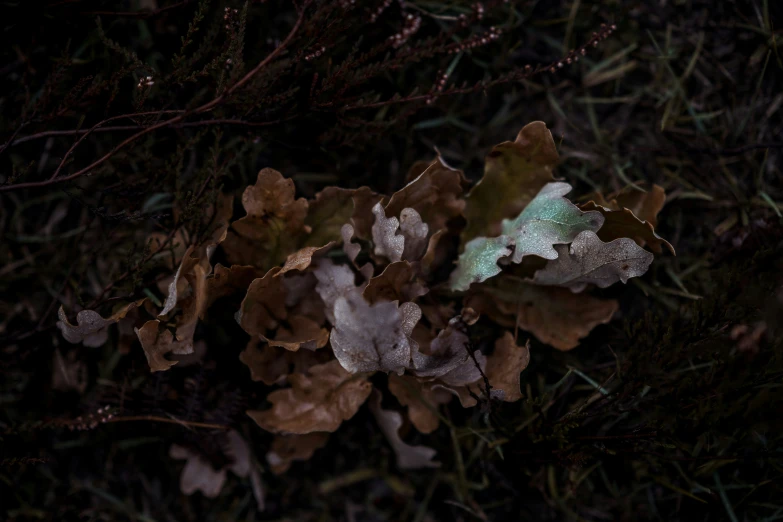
<point x="120" y="118"/>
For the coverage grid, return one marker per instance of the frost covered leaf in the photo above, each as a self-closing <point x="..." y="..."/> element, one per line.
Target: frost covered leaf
<point x="514" y="172"/>
<point x="396" y="283"/>
<point x="591" y="261"/>
<point x="198" y="474"/>
<point x="549" y="219"/>
<point x="556" y="316"/>
<point x="435" y="195"/>
<point x="334" y="281"/>
<point x="387" y="242"/>
<point x="350" y="248"/>
<point x="620" y="223"/>
<point x="420" y="398"/>
<point x="274" y="222"/>
<point x="156" y="344"/>
<point x="504" y="366"/>
<point x="408" y="457"/>
<point x="479" y="261"/>
<point x="368" y="338"/>
<point x="90" y="328"/>
<point x="317" y="401"/>
<point x="288" y="448"/>
<point x="415" y="232"/>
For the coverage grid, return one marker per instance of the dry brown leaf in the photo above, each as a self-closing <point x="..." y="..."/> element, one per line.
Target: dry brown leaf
<point x="504" y="366"/>
<point x="644" y="205"/>
<point x="420" y="398"/>
<point x="91" y="328"/>
<point x="556" y="316"/>
<point x="623" y="223"/>
<point x="514" y="172"/>
<point x="263" y="307"/>
<point x="273" y="226"/>
<point x="224" y="282"/>
<point x="272" y="364"/>
<point x="408" y="457"/>
<point x="333" y="207"/>
<point x="299" y="332"/>
<point x="435" y="194"/>
<point x="448" y="358"/>
<point x="302" y="258"/>
<point x="396" y="283"/>
<point x="156" y="344"/>
<point x="317" y="401"/>
<point x="288" y="448"/>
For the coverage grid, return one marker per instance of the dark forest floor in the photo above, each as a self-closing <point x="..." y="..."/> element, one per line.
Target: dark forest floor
<point x="671" y="411"/>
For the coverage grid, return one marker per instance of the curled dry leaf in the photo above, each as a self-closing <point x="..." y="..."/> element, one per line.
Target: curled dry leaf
<point x="156" y="344"/>
<point x="435" y="195"/>
<point x="591" y="261"/>
<point x="224" y="282"/>
<point x="368" y="338"/>
<point x="504" y="366"/>
<point x="288" y="448"/>
<point x="408" y="457"/>
<point x="272" y="364"/>
<point x="420" y="398"/>
<point x="90" y="328"/>
<point x="556" y="316"/>
<point x="264" y="309"/>
<point x="619" y="223"/>
<point x="396" y="283"/>
<point x="302" y="258"/>
<point x="333" y="207"/>
<point x="644" y="205"/>
<point x="317" y="401"/>
<point x="514" y="172"/>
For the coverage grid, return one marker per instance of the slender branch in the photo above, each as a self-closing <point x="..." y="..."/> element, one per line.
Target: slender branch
<point x="154" y="418"/>
<point x="171" y="121"/>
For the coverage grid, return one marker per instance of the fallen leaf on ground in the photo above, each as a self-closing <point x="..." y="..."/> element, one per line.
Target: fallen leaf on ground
<point x="591" y="261"/>
<point x="156" y="344"/>
<point x="397" y="282"/>
<point x="376" y="337"/>
<point x="556" y="316"/>
<point x="422" y="401"/>
<point x="504" y="366"/>
<point x="288" y="448"/>
<point x="623" y="223"/>
<point x="514" y="172"/>
<point x="317" y="401"/>
<point x="91" y="328"/>
<point x="408" y="457"/>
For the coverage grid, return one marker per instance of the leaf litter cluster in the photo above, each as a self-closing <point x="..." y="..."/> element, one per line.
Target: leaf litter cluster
<point x="350" y="284"/>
